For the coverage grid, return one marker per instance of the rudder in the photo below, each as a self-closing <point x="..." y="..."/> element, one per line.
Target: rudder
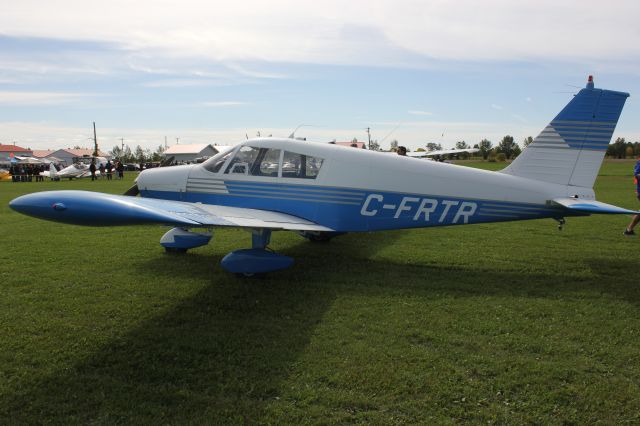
<point x="570" y="150"/>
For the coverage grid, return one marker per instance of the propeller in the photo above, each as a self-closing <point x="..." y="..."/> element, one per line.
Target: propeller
<point x="133" y="191"/>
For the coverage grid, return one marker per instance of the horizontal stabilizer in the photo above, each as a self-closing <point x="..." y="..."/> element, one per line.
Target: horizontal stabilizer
<point x="589" y="206"/>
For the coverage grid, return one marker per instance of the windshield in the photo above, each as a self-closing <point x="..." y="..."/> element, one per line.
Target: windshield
<point x="215" y="163"/>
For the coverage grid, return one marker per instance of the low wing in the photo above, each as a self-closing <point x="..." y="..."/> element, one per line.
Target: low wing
<point x="589" y="206"/>
<point x="99" y="209"/>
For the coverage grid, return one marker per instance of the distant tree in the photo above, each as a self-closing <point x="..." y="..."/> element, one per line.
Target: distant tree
<point x="432" y="146"/>
<point x="116" y="152"/>
<point x="462" y="145"/>
<point x="527" y="141"/>
<point x="76" y="147"/>
<point x="501" y="157"/>
<point x="618" y="149"/>
<point x="485" y="148"/>
<point x="629" y="151"/>
<point x="139" y="154"/>
<point x="516" y="151"/>
<point x="157" y="154"/>
<point x="506" y="146"/>
<point x="394" y="145"/>
<point x="127" y="157"/>
<point x="375" y="146"/>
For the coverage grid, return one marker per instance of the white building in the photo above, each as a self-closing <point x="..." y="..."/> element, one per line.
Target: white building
<point x="189" y="152"/>
<point x="70" y="156"/>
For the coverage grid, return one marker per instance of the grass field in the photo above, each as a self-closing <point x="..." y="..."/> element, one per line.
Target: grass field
<point x="504" y="323"/>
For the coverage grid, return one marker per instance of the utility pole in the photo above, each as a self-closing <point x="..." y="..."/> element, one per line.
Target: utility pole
<point x="95" y="141"/>
<point x="177" y="141"/>
<point x="122" y="145"/>
<point x="369" y="137"/>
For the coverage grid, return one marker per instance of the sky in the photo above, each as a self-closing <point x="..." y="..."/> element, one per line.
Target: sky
<point x="217" y="72"/>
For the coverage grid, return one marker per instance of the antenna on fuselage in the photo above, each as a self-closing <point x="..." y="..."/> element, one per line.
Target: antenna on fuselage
<point x="391" y="132"/>
<point x="293" y="134"/>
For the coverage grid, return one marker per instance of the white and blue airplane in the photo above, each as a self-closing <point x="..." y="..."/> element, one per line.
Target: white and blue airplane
<point x="322" y="190"/>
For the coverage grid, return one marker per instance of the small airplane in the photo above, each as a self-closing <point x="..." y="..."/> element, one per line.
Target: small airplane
<point x="441" y="152"/>
<point x="76" y="170"/>
<point x="323" y="190"/>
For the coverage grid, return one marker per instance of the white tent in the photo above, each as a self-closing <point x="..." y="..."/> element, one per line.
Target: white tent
<point x="28" y="160"/>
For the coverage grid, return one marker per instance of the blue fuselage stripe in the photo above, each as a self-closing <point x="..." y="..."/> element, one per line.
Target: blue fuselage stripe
<point x="369" y="211"/>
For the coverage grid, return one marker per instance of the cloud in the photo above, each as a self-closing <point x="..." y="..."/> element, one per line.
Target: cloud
<point x="498" y="107"/>
<point x="178" y="82"/>
<point x="519" y="118"/>
<point x="38" y="98"/>
<point x="404" y="33"/>
<point x="220" y="104"/>
<point x="418" y="112"/>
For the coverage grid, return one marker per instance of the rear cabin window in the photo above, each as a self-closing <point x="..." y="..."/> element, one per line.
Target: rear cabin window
<point x="300" y="166"/>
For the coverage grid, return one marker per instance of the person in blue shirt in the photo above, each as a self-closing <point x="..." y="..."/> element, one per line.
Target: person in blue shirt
<point x="636" y="218"/>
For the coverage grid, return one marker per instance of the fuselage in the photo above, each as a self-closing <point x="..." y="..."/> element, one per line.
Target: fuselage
<point x="350" y="189"/>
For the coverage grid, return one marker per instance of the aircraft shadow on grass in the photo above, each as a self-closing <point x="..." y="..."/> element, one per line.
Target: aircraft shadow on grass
<point x="224" y="354"/>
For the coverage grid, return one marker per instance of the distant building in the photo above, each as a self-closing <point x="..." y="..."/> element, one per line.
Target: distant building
<point x="9" y="151"/>
<point x="70" y="156"/>
<point x="42" y="153"/>
<point x="360" y="145"/>
<point x="189" y="152"/>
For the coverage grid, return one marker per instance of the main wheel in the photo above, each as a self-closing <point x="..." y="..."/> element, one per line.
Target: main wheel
<point x="175" y="250"/>
<point x="319" y="236"/>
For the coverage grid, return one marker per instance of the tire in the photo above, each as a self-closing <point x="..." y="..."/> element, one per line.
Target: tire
<point x="175" y="250"/>
<point x="318" y="236"/>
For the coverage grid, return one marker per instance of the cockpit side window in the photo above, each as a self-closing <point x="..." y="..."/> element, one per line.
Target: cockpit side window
<point x="267" y="163"/>
<point x="300" y="166"/>
<point x="215" y="163"/>
<point x="243" y="160"/>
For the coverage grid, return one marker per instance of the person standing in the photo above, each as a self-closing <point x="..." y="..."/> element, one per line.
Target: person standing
<point x="109" y="168"/>
<point x="120" y="169"/>
<point x="92" y="169"/>
<point x="636" y="218"/>
<point x="101" y="168"/>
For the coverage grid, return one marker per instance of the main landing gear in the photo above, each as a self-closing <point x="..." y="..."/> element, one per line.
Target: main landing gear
<point x="258" y="260"/>
<point x="319" y="236"/>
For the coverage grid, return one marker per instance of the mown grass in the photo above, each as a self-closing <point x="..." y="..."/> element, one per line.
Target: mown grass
<point x="506" y="323"/>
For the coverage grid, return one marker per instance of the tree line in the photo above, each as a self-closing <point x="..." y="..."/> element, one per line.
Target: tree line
<point x="508" y="149"/>
<point x="138" y="155"/>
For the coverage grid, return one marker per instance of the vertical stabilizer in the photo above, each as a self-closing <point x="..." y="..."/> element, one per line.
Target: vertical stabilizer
<point x="570" y="150"/>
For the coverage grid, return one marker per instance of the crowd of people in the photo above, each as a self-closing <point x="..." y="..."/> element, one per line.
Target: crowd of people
<point x="30" y="172"/>
<point x="26" y="172"/>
